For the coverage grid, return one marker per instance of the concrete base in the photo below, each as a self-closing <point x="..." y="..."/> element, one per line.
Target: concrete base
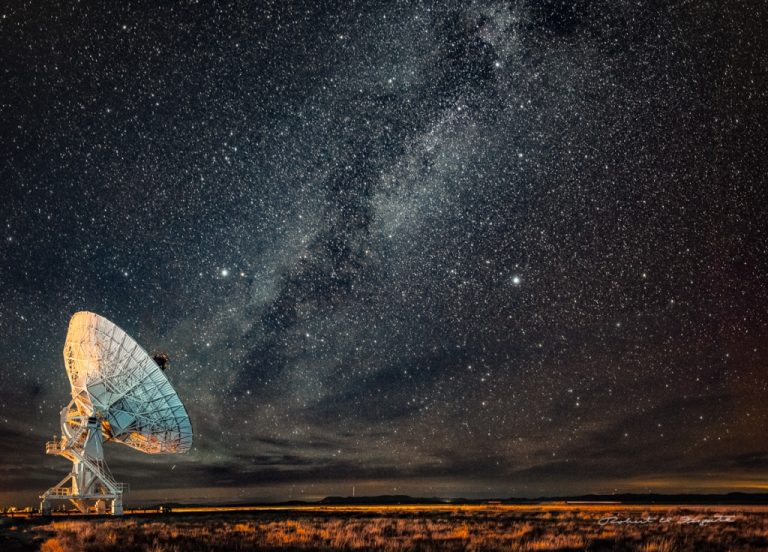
<point x="117" y="507"/>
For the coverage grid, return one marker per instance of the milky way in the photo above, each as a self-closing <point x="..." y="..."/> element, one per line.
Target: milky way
<point x="455" y="249"/>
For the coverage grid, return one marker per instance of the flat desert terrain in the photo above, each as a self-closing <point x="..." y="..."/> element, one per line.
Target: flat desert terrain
<point x="402" y="528"/>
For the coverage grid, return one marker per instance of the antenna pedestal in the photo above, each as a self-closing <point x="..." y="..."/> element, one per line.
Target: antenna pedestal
<point x="90" y="486"/>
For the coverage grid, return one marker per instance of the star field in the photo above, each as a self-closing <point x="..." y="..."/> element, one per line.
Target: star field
<point x="455" y="249"/>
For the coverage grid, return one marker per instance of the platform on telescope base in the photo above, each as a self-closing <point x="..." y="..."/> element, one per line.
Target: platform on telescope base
<point x="103" y="505"/>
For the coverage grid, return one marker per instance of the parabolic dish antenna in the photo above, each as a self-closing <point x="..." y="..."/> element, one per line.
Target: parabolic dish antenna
<point x="119" y="394"/>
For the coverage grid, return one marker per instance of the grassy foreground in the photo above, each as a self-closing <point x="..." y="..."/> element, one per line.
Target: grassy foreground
<point x="424" y="528"/>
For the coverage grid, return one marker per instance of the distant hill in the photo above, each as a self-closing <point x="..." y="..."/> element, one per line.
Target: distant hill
<point x="382" y="500"/>
<point x="654" y="498"/>
<point x="625" y="498"/>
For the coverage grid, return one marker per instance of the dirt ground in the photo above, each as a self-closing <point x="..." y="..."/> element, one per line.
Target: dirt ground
<point x="403" y="528"/>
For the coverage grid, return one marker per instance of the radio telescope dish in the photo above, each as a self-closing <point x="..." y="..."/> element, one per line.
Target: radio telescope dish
<point x="120" y="394"/>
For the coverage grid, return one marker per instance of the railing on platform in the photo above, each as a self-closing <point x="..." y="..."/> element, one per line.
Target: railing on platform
<point x="53" y="447"/>
<point x="60" y="491"/>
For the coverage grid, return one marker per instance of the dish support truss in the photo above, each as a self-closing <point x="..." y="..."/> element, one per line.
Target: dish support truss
<point x="90" y="485"/>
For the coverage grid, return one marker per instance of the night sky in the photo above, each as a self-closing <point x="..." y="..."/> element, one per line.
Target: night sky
<point x="442" y="249"/>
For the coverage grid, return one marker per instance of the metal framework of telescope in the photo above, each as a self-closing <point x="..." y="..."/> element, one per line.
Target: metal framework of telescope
<point x="120" y="394"/>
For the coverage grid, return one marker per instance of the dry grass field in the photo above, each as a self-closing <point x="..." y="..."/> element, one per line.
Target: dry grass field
<point x="422" y="528"/>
